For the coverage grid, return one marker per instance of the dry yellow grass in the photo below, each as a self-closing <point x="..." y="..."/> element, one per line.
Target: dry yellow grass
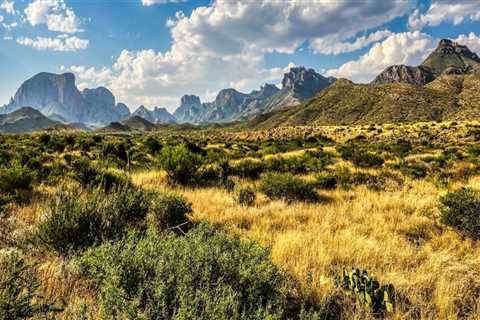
<point x="391" y="234"/>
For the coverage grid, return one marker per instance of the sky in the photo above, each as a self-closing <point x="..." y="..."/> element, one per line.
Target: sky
<point x="152" y="52"/>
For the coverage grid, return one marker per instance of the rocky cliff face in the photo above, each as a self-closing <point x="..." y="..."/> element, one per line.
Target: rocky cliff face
<point x="57" y="97"/>
<point x="406" y="74"/>
<point x="190" y="109"/>
<point x="448" y="58"/>
<point x="230" y="105"/>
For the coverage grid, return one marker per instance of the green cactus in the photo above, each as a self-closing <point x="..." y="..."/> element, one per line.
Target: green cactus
<point x="367" y="290"/>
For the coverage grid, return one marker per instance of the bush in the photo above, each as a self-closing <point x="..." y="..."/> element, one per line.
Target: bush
<point x="359" y="157"/>
<point x="247" y="169"/>
<point x="461" y="210"/>
<point x="180" y="163"/>
<point x="15" y="183"/>
<point x="287" y="187"/>
<point x="326" y="181"/>
<point x="74" y="222"/>
<point x="170" y="210"/>
<point x="84" y="172"/>
<point x="203" y="275"/>
<point x="245" y="196"/>
<point x="18" y="286"/>
<point x="152" y="145"/>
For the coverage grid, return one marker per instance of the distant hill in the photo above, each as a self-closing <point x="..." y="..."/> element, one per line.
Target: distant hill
<point x="157" y="115"/>
<point x="447" y="97"/>
<point x="57" y="97"/>
<point x="448" y="58"/>
<point x="25" y="119"/>
<point x="230" y="105"/>
<point x="134" y="123"/>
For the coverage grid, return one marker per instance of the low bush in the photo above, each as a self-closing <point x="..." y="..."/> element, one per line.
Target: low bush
<point x="326" y="181"/>
<point x="180" y="163"/>
<point x="287" y="187"/>
<point x="460" y="210"/>
<point x="16" y="182"/>
<point x="247" y="168"/>
<point x="170" y="210"/>
<point x="74" y="222"/>
<point x="203" y="275"/>
<point x="18" y="290"/>
<point x="84" y="172"/>
<point x="360" y="157"/>
<point x="245" y="196"/>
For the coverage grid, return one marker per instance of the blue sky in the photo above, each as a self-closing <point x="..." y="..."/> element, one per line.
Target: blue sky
<point x="153" y="51"/>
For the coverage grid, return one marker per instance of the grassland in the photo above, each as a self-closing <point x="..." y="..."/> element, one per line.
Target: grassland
<point x="381" y="215"/>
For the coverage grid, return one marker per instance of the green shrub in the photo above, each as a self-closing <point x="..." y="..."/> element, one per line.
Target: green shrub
<point x="180" y="163"/>
<point x="367" y="291"/>
<point x="18" y="286"/>
<point x="74" y="222"/>
<point x="245" y="196"/>
<point x="16" y="182"/>
<point x="247" y="168"/>
<point x="84" y="172"/>
<point x="461" y="210"/>
<point x="360" y="157"/>
<point x="326" y="181"/>
<point x="287" y="187"/>
<point x="153" y="145"/>
<point x="170" y="210"/>
<point x="203" y="275"/>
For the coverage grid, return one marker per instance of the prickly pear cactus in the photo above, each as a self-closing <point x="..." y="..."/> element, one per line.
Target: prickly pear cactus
<point x="367" y="290"/>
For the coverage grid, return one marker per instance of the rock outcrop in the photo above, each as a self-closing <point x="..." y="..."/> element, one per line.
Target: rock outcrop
<point x="25" y="119"/>
<point x="157" y="115"/>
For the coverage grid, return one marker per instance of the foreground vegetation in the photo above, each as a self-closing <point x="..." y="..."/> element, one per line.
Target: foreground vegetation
<point x="292" y="223"/>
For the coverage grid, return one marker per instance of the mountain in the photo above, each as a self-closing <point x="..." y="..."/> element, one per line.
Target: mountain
<point x="25" y="119"/>
<point x="298" y="85"/>
<point x="57" y="97"/>
<point x="190" y="109"/>
<point x="449" y="97"/>
<point x="448" y="58"/>
<point x="157" y="115"/>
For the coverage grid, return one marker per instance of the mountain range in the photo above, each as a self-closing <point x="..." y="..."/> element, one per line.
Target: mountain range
<point x="444" y="86"/>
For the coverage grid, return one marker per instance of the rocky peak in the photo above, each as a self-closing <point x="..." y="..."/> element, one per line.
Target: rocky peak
<point x="305" y="83"/>
<point x="190" y="100"/>
<point x="122" y="110"/>
<point x="449" y="47"/>
<point x="406" y="74"/>
<point x="100" y="95"/>
<point x="229" y="97"/>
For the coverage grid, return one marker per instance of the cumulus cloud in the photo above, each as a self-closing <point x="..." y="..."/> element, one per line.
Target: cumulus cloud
<point x="329" y="46"/>
<point x="408" y="48"/>
<point x="8" y="6"/>
<point x="455" y="11"/>
<point x="224" y="45"/>
<point x="53" y="13"/>
<point x="60" y="43"/>
<point x="154" y="2"/>
<point x="472" y="41"/>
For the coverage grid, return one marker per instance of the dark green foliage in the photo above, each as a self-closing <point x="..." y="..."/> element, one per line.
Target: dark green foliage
<point x="245" y="196"/>
<point x="360" y="157"/>
<point x="367" y="291"/>
<point x="287" y="187"/>
<point x="203" y="275"/>
<point x="460" y="210"/>
<point x="16" y="182"/>
<point x="401" y="147"/>
<point x="416" y="170"/>
<point x="326" y="181"/>
<point x="247" y="168"/>
<point x="75" y="221"/>
<point x="170" y="210"/>
<point x="180" y="163"/>
<point x="84" y="172"/>
<point x="153" y="145"/>
<point x="18" y="285"/>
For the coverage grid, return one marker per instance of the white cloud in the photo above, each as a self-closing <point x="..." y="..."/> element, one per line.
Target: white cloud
<point x="9" y="26"/>
<point x="408" y="48"/>
<point x="154" y="2"/>
<point x="55" y="14"/>
<point x="329" y="46"/>
<point x="224" y="45"/>
<point x="60" y="43"/>
<point x="8" y="6"/>
<point x="1" y="18"/>
<point x="472" y="41"/>
<point x="455" y="11"/>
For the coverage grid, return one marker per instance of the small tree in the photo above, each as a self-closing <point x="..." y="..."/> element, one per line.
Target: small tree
<point x="180" y="163"/>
